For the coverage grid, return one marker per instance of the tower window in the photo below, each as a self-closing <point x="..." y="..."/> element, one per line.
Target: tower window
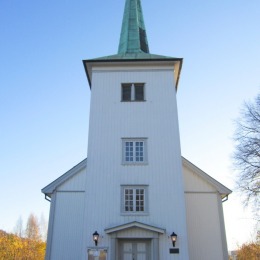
<point x="132" y="92"/>
<point x="134" y="199"/>
<point x="134" y="151"/>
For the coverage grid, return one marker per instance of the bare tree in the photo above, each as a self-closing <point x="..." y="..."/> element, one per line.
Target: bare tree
<point x="247" y="153"/>
<point x="43" y="227"/>
<point x="18" y="229"/>
<point x="32" y="230"/>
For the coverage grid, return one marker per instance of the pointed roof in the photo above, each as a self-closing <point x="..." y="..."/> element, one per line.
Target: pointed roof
<point x="133" y="37"/>
<point x="133" y="45"/>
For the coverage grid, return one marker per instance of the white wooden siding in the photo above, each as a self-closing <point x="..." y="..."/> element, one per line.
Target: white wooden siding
<point x="135" y="233"/>
<point x="194" y="183"/>
<point x="204" y="227"/>
<point x="91" y="201"/>
<point x="155" y="119"/>
<point x="67" y="226"/>
<point x="75" y="183"/>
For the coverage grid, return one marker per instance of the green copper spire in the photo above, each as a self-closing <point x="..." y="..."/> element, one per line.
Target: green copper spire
<point x="133" y="45"/>
<point x="133" y="35"/>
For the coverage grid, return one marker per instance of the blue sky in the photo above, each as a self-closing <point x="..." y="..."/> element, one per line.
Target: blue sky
<point x="44" y="94"/>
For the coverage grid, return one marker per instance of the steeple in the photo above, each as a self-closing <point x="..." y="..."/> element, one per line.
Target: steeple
<point x="133" y="37"/>
<point x="133" y="44"/>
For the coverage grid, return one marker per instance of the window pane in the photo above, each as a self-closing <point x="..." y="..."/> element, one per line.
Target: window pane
<point x="139" y="151"/>
<point x="139" y="92"/>
<point x="139" y="197"/>
<point x="126" y="92"/>
<point x="129" y="151"/>
<point x="129" y="199"/>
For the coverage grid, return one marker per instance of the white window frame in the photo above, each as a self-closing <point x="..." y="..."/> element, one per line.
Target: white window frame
<point x="135" y="210"/>
<point x="138" y="154"/>
<point x="133" y="98"/>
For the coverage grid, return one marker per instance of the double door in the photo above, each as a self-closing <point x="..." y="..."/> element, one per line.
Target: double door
<point x="134" y="250"/>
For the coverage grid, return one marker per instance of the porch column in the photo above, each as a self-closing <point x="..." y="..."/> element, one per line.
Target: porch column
<point x="155" y="247"/>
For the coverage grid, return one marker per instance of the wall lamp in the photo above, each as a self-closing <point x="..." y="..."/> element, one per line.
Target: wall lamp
<point x="173" y="238"/>
<point x="95" y="237"/>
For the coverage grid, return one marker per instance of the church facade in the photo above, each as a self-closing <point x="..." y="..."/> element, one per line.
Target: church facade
<point x="135" y="197"/>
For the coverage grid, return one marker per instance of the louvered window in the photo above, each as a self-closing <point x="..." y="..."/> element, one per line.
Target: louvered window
<point x="132" y="92"/>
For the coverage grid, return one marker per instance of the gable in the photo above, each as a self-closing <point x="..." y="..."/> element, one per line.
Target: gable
<point x="75" y="183"/>
<point x="194" y="183"/>
<point x="195" y="180"/>
<point x="72" y="180"/>
<point x="135" y="225"/>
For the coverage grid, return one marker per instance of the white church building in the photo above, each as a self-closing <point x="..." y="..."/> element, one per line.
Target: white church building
<point x="135" y="197"/>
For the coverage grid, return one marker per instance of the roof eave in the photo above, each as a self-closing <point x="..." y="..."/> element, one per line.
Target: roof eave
<point x="134" y="224"/>
<point x="88" y="64"/>
<point x="223" y="190"/>
<point x="50" y="188"/>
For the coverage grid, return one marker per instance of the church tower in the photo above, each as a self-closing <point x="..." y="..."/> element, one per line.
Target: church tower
<point x="134" y="187"/>
<point x="135" y="197"/>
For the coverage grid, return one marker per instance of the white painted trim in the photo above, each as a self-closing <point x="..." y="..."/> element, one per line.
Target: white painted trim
<point x="134" y="224"/>
<point x="49" y="189"/>
<point x="50" y="227"/>
<point x="146" y="200"/>
<point x="132" y="69"/>
<point x="145" y="150"/>
<point x="201" y="192"/>
<point x="222" y="229"/>
<point x="174" y="64"/>
<point x="223" y="190"/>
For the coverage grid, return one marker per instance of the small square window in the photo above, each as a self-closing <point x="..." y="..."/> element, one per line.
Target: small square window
<point x="134" y="151"/>
<point x="132" y="92"/>
<point x="134" y="199"/>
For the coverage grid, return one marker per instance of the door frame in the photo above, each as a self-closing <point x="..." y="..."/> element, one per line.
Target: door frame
<point x="134" y="231"/>
<point x="121" y="241"/>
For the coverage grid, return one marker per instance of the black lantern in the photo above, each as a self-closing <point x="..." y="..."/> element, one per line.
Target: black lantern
<point x="173" y="238"/>
<point x="95" y="237"/>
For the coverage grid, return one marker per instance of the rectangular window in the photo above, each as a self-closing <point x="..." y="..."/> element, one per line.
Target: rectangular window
<point x="134" y="151"/>
<point x="134" y="199"/>
<point x="132" y="92"/>
<point x="139" y="92"/>
<point x="126" y="92"/>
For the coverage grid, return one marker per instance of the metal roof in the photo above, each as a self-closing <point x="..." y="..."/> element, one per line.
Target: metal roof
<point x="133" y="44"/>
<point x="133" y="37"/>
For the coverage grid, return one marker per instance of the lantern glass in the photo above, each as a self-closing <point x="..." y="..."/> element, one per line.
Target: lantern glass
<point x="95" y="237"/>
<point x="173" y="238"/>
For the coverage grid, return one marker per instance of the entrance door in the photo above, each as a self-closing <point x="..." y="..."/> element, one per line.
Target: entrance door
<point x="135" y="250"/>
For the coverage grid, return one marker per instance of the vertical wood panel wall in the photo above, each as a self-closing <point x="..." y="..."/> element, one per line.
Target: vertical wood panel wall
<point x="155" y="119"/>
<point x="68" y="222"/>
